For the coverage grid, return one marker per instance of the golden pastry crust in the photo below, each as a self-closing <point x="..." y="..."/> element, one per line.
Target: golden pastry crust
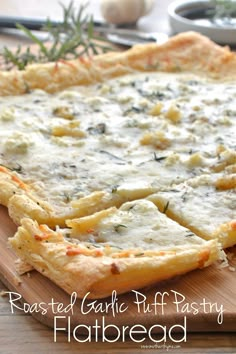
<point x="184" y="52"/>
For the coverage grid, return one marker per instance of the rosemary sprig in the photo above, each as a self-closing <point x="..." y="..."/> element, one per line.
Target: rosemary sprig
<point x="70" y="39"/>
<point x="19" y="58"/>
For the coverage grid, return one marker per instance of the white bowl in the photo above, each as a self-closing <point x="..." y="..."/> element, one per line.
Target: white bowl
<point x="221" y="34"/>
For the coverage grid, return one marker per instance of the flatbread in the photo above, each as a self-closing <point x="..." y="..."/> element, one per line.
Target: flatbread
<point x="80" y="140"/>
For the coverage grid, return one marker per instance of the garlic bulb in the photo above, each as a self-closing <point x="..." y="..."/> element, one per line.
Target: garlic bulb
<point x="125" y="11"/>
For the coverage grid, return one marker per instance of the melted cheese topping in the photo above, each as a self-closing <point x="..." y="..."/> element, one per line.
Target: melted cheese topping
<point x="137" y="226"/>
<point x="131" y="136"/>
<point x="203" y="206"/>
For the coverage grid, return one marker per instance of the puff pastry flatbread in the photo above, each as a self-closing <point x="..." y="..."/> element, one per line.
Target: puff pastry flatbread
<point x="81" y="140"/>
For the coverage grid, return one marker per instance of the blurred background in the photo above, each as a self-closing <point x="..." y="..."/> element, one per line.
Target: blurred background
<point x="156" y="20"/>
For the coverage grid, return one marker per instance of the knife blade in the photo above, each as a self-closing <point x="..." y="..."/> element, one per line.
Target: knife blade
<point x="123" y="36"/>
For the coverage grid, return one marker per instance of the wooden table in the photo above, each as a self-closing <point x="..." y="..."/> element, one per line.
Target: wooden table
<point x="20" y="332"/>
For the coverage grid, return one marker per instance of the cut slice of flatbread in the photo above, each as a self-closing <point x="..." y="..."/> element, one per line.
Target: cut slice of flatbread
<point x="205" y="204"/>
<point x="114" y="249"/>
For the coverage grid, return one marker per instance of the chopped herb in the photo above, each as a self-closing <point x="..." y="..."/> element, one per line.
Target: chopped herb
<point x="66" y="165"/>
<point x="143" y="162"/>
<point x="114" y="188"/>
<point x="18" y="168"/>
<point x="67" y="197"/>
<point x="98" y="129"/>
<point x="155" y="158"/>
<point x="184" y="196"/>
<point x="132" y="124"/>
<point x="168" y="87"/>
<point x="159" y="158"/>
<point x="118" y="226"/>
<point x="96" y="245"/>
<point x="159" y="95"/>
<point x="152" y="95"/>
<point x="119" y="248"/>
<point x="166" y="207"/>
<point x="111" y="155"/>
<point x="229" y="112"/>
<point x="132" y="207"/>
<point x="219" y="140"/>
<point x="134" y="109"/>
<point x="141" y="92"/>
<point x="139" y="254"/>
<point x="190" y="234"/>
<point x="192" y="82"/>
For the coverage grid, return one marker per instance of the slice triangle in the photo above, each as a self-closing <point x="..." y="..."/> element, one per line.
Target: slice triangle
<point x="114" y="249"/>
<point x="205" y="204"/>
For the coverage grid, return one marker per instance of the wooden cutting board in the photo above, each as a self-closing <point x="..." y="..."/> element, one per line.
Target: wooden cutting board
<point x="198" y="301"/>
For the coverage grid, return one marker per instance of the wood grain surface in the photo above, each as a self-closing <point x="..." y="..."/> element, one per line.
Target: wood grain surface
<point x="203" y="298"/>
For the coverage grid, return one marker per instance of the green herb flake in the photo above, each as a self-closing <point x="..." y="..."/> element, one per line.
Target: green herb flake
<point x="118" y="227"/>
<point x="18" y="168"/>
<point x="190" y="234"/>
<point x="166" y="207"/>
<point x="158" y="158"/>
<point x="114" y="188"/>
<point x="139" y="254"/>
